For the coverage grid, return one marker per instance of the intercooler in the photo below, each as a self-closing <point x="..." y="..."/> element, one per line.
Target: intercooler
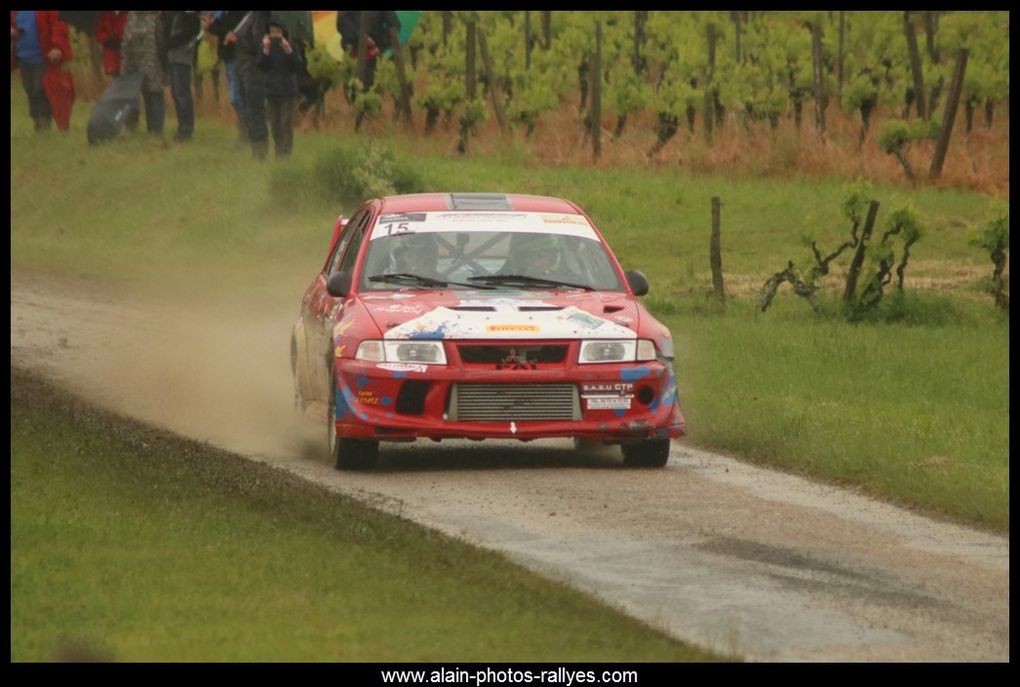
<point x="505" y="402"/>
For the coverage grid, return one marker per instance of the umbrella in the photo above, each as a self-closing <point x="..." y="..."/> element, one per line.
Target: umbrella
<point x="83" y="21"/>
<point x="408" y="20"/>
<point x="59" y="88"/>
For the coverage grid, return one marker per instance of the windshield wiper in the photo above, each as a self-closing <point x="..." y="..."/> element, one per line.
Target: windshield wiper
<point x="421" y="280"/>
<point x="525" y="280"/>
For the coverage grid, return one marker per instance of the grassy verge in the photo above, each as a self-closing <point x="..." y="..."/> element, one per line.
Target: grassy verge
<point x="130" y="544"/>
<point x="914" y="408"/>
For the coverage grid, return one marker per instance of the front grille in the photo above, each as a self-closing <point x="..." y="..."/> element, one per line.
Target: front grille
<point x="505" y="402"/>
<point x="513" y="356"/>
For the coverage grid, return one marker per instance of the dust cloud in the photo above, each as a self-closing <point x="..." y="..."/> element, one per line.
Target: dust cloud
<point x="215" y="368"/>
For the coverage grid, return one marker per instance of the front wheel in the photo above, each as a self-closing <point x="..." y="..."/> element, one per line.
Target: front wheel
<point x="652" y="453"/>
<point x="349" y="454"/>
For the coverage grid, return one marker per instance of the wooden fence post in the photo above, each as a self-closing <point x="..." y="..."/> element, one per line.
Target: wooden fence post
<point x="715" y="253"/>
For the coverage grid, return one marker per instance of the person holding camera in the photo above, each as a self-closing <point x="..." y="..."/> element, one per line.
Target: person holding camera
<point x="281" y="63"/>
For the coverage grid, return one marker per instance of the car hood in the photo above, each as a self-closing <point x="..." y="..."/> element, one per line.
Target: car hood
<point x="482" y="315"/>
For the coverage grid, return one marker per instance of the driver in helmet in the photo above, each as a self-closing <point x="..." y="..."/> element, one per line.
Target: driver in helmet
<point x="537" y="255"/>
<point x="417" y="254"/>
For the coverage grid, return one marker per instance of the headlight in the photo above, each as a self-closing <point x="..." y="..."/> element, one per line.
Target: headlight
<point x="608" y="351"/>
<point x="421" y="352"/>
<point x="426" y="352"/>
<point x="371" y="350"/>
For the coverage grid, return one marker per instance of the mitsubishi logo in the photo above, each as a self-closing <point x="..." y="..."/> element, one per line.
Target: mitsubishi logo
<point x="515" y="361"/>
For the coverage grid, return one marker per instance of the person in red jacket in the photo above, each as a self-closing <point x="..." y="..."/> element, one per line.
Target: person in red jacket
<point x="109" y="33"/>
<point x="41" y="43"/>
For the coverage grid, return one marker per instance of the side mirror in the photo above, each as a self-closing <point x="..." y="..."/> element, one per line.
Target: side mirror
<point x="638" y="282"/>
<point x="339" y="284"/>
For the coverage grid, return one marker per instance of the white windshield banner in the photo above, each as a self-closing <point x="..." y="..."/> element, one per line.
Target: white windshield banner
<point x="393" y="223"/>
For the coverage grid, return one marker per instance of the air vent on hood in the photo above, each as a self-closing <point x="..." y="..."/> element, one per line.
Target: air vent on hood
<point x="538" y="308"/>
<point x="479" y="201"/>
<point x="473" y="308"/>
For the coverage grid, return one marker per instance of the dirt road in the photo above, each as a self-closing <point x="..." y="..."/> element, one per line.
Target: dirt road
<point x="714" y="551"/>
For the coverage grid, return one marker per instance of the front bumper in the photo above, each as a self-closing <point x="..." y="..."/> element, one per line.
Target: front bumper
<point x="372" y="402"/>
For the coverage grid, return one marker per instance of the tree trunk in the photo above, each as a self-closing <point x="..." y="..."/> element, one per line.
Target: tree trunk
<point x="820" y="96"/>
<point x="989" y="113"/>
<point x="621" y="122"/>
<point x="582" y="80"/>
<point x="692" y="113"/>
<point x="527" y="40"/>
<point x="931" y="27"/>
<point x="447" y="25"/>
<point x="596" y="93"/>
<point x="546" y="29"/>
<point x="404" y="103"/>
<point x="735" y="16"/>
<point x="901" y="156"/>
<point x="841" y="58"/>
<point x="854" y="272"/>
<point x="968" y="115"/>
<point x="709" y="116"/>
<point x="470" y="80"/>
<point x="915" y="64"/>
<point x="362" y="68"/>
<point x="490" y="77"/>
<point x="866" y="108"/>
<point x="952" y="102"/>
<point x="668" y="125"/>
<point x="638" y="61"/>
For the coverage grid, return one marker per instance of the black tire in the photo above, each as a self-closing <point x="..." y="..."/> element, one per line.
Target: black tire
<point x="653" y="453"/>
<point x="348" y="454"/>
<point x="355" y="454"/>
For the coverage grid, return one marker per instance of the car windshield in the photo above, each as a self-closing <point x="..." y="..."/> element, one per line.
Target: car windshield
<point x="481" y="258"/>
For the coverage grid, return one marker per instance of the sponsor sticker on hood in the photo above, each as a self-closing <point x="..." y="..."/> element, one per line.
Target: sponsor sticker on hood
<point x="508" y="322"/>
<point x="524" y="222"/>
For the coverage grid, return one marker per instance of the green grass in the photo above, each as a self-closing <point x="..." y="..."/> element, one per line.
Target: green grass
<point x="913" y="407"/>
<point x="130" y="544"/>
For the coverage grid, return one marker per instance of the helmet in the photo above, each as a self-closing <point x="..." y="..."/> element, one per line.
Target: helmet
<point x="524" y="247"/>
<point x="525" y="244"/>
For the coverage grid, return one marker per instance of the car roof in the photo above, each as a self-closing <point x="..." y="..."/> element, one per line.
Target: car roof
<point x="434" y="202"/>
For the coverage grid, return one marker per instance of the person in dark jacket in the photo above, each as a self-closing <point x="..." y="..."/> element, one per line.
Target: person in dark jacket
<point x="225" y="27"/>
<point x="182" y="34"/>
<point x="280" y="62"/>
<point x="249" y="46"/>
<point x="348" y="24"/>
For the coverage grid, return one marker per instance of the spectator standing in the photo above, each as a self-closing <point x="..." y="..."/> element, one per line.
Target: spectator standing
<point x="110" y="33"/>
<point x="225" y="27"/>
<point x="281" y="62"/>
<point x="142" y="51"/>
<point x="182" y="31"/>
<point x="249" y="46"/>
<point x="41" y="43"/>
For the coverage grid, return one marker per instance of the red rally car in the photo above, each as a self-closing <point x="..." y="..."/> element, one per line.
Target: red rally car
<point x="481" y="316"/>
